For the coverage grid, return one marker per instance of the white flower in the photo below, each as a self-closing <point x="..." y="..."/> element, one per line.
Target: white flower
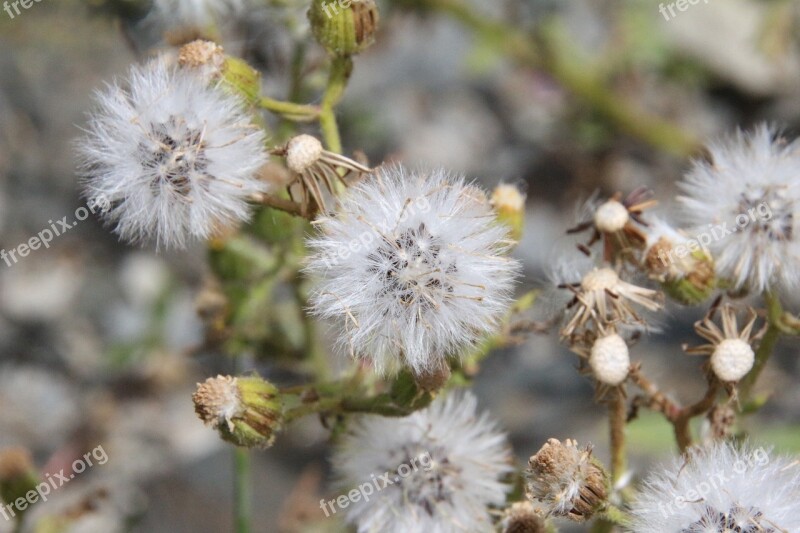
<point x="748" y="198"/>
<point x="194" y="13"/>
<point x="460" y="457"/>
<point x="175" y="158"/>
<point x="414" y="267"/>
<point x="721" y="489"/>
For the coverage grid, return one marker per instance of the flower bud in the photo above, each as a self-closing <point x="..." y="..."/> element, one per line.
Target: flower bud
<point x="567" y="480"/>
<point x="521" y="517"/>
<point x="246" y="411"/>
<point x="509" y="203"/>
<point x="17" y="473"/>
<point x="344" y="27"/>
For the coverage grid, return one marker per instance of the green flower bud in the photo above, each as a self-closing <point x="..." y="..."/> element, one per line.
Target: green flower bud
<point x="344" y="27"/>
<point x="509" y="203"/>
<point x="246" y="410"/>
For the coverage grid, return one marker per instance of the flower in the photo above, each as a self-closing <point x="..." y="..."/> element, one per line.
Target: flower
<point x="176" y="158"/>
<point x="731" y="350"/>
<point x="522" y="517"/>
<point x="600" y="296"/>
<point x="246" y="411"/>
<point x="679" y="263"/>
<point x="413" y="265"/>
<point x="749" y="196"/>
<point x="721" y="488"/>
<point x="444" y="465"/>
<point x="616" y="221"/>
<point x="566" y="479"/>
<point x="314" y="168"/>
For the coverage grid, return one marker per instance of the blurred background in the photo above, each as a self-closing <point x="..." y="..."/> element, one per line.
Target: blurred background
<point x="101" y="343"/>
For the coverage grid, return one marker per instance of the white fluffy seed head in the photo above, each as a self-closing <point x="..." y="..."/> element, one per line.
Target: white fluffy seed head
<point x="302" y="152"/>
<point x="611" y="217"/>
<point x="174" y="158"/>
<point x="460" y="459"/>
<point x="413" y="266"/>
<point x="600" y="279"/>
<point x="746" y="201"/>
<point x="732" y="359"/>
<point x="610" y="360"/>
<point x="720" y="489"/>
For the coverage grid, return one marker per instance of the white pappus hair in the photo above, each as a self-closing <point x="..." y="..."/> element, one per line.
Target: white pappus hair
<point x="414" y="266"/>
<point x="172" y="157"/>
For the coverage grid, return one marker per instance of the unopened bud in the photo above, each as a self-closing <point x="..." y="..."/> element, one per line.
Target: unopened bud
<point x="246" y="410"/>
<point x="567" y="480"/>
<point x="521" y="517"/>
<point x="509" y="203"/>
<point x="344" y="27"/>
<point x="17" y="473"/>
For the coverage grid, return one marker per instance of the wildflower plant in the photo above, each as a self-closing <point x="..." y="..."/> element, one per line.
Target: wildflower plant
<point x="411" y="271"/>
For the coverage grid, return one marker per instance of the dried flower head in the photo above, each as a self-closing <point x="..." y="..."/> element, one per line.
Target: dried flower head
<point x="246" y="410"/>
<point x="684" y="268"/>
<point x="731" y="350"/>
<point x="748" y="198"/>
<point x="176" y="158"/>
<point x="207" y="56"/>
<point x="616" y="221"/>
<point x="445" y="464"/>
<point x="721" y="489"/>
<point x="315" y="168"/>
<point x="522" y="517"/>
<point x="600" y="297"/>
<point x="567" y="480"/>
<point x="414" y="266"/>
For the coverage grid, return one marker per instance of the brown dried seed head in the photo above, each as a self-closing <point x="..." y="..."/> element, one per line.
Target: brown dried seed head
<point x="200" y="53"/>
<point x="521" y="517"/>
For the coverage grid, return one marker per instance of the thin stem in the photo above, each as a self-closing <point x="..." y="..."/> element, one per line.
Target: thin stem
<point x="241" y="493"/>
<point x="282" y="204"/>
<point x="296" y="112"/>
<point x="765" y="347"/>
<point x="341" y="68"/>
<point x="617" y="417"/>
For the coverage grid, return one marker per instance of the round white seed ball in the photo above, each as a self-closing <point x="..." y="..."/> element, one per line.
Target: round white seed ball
<point x="610" y="359"/>
<point x="600" y="279"/>
<point x="611" y="217"/>
<point x="732" y="359"/>
<point x="302" y="152"/>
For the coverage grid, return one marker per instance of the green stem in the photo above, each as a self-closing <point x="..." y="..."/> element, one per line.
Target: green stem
<point x="765" y="347"/>
<point x="617" y="416"/>
<point x="241" y="494"/>
<point x="341" y="68"/>
<point x="296" y="112"/>
<point x="241" y="473"/>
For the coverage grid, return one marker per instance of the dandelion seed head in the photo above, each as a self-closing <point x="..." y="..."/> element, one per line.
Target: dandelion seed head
<point x="175" y="158"/>
<point x="721" y="488"/>
<point x="413" y="266"/>
<point x="460" y="455"/>
<point x="732" y="359"/>
<point x="750" y="186"/>
<point x="611" y="217"/>
<point x="610" y="360"/>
